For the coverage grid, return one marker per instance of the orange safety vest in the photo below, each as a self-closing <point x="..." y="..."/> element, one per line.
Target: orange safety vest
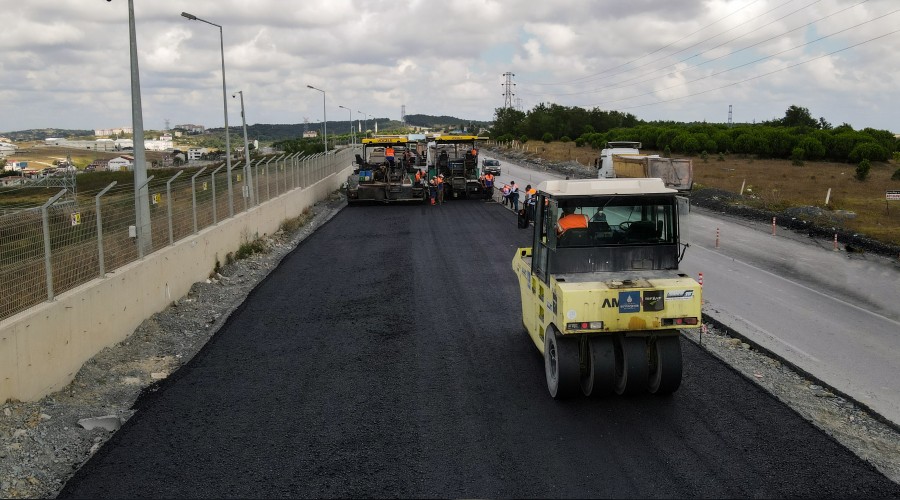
<point x="571" y="221"/>
<point x="489" y="178"/>
<point x="418" y="175"/>
<point x="389" y="152"/>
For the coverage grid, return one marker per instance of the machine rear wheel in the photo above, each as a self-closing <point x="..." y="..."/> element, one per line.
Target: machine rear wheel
<point x="598" y="355"/>
<point x="665" y="365"/>
<point x="561" y="364"/>
<point x="631" y="365"/>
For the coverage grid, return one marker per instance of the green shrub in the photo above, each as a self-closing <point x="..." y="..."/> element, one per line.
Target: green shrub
<point x="565" y="138"/>
<point x="897" y="156"/>
<point x="704" y="156"/>
<point x="523" y="139"/>
<point x="547" y="137"/>
<point x="579" y="142"/>
<point x="721" y="157"/>
<point x="868" y="151"/>
<point x="862" y="170"/>
<point x="797" y="156"/>
<point x="667" y="153"/>
<point x="896" y="176"/>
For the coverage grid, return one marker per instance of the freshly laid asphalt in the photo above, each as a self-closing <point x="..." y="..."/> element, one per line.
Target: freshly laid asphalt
<point x="385" y="357"/>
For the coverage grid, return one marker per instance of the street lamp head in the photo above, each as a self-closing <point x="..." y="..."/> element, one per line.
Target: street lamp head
<point x="189" y="16"/>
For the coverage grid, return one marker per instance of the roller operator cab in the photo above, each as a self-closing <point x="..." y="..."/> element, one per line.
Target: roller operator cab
<point x="604" y="300"/>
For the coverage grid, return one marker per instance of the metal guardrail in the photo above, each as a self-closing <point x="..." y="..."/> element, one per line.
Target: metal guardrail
<point x="47" y="250"/>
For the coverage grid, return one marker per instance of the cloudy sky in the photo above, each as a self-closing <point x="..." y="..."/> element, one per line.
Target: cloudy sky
<point x="65" y="63"/>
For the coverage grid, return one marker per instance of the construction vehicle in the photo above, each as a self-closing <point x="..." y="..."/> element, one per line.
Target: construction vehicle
<point x="379" y="178"/>
<point x="456" y="158"/>
<point x="676" y="173"/>
<point x="605" y="302"/>
<point x="604" y="163"/>
<point x="623" y="159"/>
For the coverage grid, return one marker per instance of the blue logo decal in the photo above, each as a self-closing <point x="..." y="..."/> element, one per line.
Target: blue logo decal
<point x="629" y="302"/>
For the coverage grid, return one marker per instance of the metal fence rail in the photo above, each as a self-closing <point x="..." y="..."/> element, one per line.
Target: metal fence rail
<point x="48" y="250"/>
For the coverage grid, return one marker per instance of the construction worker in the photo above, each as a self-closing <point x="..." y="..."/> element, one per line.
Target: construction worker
<point x="530" y="200"/>
<point x="505" y="191"/>
<point x="489" y="186"/>
<point x="514" y="195"/>
<point x="570" y="220"/>
<point x="432" y="189"/>
<point x="440" y="189"/>
<point x="389" y="155"/>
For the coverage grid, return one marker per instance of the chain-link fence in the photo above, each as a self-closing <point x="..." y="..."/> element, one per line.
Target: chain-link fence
<point x="47" y="250"/>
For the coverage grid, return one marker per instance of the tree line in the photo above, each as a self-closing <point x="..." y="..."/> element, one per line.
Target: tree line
<point x="797" y="136"/>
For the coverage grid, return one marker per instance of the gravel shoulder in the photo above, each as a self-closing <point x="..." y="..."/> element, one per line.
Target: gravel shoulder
<point x="42" y="443"/>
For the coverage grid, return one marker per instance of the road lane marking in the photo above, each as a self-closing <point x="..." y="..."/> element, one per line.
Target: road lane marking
<point x="773" y="337"/>
<point x="813" y="290"/>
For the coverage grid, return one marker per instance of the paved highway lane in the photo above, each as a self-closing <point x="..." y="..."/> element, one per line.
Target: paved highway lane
<point x="827" y="314"/>
<point x="385" y="358"/>
<point x="834" y="316"/>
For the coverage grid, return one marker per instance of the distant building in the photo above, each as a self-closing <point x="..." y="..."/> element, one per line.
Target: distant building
<point x="195" y="154"/>
<point x="310" y="133"/>
<point x="124" y="162"/>
<point x="106" y="132"/>
<point x="191" y="128"/>
<point x="98" y="165"/>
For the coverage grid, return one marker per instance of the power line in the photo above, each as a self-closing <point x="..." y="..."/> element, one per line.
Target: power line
<point x="657" y="50"/>
<point x="754" y="61"/>
<point x="764" y="74"/>
<point x="619" y="86"/>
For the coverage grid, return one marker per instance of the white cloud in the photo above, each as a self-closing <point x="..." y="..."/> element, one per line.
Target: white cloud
<point x="66" y="64"/>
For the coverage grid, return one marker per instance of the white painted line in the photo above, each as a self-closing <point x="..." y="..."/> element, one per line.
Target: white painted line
<point x="773" y="337"/>
<point x="817" y="292"/>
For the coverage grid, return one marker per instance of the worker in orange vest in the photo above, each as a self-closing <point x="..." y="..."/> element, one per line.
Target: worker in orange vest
<point x="440" y="188"/>
<point x="570" y="220"/>
<point x="489" y="186"/>
<point x="389" y="155"/>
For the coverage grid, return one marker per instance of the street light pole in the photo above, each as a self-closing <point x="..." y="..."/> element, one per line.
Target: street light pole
<point x="141" y="194"/>
<point x="324" y="117"/>
<point x="247" y="175"/>
<point x="225" y="107"/>
<point x="352" y="139"/>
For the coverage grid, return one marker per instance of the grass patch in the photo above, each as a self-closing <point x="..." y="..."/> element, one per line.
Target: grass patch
<point x="295" y="223"/>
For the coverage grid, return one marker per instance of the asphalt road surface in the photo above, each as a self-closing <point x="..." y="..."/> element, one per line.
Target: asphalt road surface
<point x="385" y="358"/>
<point x="833" y="315"/>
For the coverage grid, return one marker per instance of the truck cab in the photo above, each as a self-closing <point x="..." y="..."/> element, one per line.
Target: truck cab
<point x="602" y="298"/>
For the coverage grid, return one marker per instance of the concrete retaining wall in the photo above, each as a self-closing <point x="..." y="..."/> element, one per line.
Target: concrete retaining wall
<point x="42" y="349"/>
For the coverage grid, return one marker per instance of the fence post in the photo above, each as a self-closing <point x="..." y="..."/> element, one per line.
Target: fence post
<point x="215" y="218"/>
<point x="297" y="170"/>
<point x="295" y="162"/>
<point x="249" y="181"/>
<point x="45" y="222"/>
<point x="276" y="174"/>
<point x="100" y="228"/>
<point x="268" y="189"/>
<point x="194" y="196"/>
<point x="138" y="230"/>
<point x="255" y="187"/>
<point x="169" y="205"/>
